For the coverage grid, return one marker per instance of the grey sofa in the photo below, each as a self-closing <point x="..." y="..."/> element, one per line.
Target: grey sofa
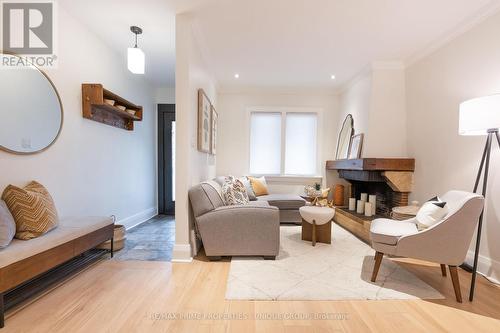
<point x="288" y="204"/>
<point x="247" y="230"/>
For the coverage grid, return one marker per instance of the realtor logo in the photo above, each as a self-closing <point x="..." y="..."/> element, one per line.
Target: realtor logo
<point x="28" y="27"/>
<point x="28" y="31"/>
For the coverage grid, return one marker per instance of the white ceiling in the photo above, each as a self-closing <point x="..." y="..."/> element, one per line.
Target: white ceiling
<point x="303" y="42"/>
<point x="279" y="42"/>
<point x="111" y="21"/>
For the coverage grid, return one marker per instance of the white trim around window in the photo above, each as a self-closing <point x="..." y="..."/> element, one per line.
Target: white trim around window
<point x="282" y="177"/>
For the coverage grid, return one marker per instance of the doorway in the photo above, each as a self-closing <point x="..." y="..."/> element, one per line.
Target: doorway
<point x="166" y="159"/>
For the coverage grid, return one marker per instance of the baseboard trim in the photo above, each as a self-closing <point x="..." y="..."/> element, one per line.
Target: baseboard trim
<point x="139" y="218"/>
<point x="182" y="253"/>
<point x="487" y="267"/>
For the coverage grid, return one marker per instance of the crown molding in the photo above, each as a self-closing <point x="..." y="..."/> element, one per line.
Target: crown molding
<point x="465" y="26"/>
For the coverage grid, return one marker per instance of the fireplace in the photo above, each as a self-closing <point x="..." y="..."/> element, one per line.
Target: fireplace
<point x="391" y="180"/>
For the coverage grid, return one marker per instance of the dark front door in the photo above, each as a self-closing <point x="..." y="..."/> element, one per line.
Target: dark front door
<point x="166" y="159"/>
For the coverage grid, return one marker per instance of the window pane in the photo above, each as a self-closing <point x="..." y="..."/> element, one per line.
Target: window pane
<point x="265" y="143"/>
<point x="300" y="157"/>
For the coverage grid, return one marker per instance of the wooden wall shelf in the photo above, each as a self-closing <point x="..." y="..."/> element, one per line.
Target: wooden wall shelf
<point x="95" y="108"/>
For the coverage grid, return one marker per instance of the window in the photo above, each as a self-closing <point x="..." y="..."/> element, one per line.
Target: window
<point x="283" y="143"/>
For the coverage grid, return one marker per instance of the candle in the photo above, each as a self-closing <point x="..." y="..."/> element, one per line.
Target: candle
<point x="361" y="207"/>
<point x="364" y="197"/>
<point x="368" y="209"/>
<point x="352" y="203"/>
<point x="373" y="200"/>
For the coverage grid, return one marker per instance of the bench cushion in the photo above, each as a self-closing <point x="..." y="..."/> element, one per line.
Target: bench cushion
<point x="283" y="201"/>
<point x="68" y="229"/>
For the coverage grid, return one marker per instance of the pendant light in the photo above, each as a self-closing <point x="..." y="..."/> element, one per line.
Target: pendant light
<point x="135" y="56"/>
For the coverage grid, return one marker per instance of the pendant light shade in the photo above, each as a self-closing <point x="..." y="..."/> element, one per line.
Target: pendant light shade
<point x="135" y="56"/>
<point x="136" y="60"/>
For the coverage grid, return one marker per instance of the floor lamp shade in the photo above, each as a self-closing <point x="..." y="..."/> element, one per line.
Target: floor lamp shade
<point x="480" y="115"/>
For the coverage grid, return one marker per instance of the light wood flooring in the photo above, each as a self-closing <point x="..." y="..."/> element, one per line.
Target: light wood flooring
<point x="141" y="296"/>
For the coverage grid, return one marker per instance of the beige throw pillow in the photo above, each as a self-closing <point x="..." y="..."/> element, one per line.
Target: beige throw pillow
<point x="33" y="209"/>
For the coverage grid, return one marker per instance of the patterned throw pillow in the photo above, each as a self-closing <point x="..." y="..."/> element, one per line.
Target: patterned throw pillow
<point x="234" y="192"/>
<point x="33" y="209"/>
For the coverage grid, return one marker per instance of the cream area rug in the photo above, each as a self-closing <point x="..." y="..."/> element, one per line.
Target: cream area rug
<point x="337" y="271"/>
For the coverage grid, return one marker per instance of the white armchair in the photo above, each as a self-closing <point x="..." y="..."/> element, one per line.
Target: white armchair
<point x="445" y="243"/>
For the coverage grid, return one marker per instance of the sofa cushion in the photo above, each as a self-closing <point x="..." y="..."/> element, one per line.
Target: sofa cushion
<point x="33" y="209"/>
<point x="68" y="230"/>
<point x="7" y="225"/>
<point x="204" y="198"/>
<point x="283" y="201"/>
<point x="388" y="232"/>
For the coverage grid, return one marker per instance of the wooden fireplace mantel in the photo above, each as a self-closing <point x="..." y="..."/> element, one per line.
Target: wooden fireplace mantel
<point x="373" y="164"/>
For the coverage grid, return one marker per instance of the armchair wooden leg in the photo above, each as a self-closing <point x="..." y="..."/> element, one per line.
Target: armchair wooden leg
<point x="443" y="270"/>
<point x="456" y="283"/>
<point x="378" y="261"/>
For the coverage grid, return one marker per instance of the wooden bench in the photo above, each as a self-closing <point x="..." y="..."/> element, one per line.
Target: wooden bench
<point x="24" y="260"/>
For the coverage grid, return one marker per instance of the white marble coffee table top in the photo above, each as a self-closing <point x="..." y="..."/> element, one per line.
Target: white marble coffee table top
<point x="320" y="215"/>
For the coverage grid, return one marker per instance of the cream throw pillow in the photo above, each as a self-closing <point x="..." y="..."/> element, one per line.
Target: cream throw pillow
<point x="259" y="186"/>
<point x="431" y="213"/>
<point x="33" y="209"/>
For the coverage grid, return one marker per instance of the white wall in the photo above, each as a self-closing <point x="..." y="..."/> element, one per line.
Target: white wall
<point x="467" y="67"/>
<point x="93" y="169"/>
<point x="165" y="95"/>
<point x="233" y="140"/>
<point x="376" y="100"/>
<point x="192" y="166"/>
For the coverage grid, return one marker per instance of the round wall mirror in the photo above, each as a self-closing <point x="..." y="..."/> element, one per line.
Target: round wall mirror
<point x="345" y="138"/>
<point x="31" y="112"/>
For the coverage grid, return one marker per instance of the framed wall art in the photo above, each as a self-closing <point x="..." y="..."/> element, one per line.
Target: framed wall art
<point x="204" y="122"/>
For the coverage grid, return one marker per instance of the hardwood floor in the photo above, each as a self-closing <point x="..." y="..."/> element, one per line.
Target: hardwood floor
<point x="140" y="296"/>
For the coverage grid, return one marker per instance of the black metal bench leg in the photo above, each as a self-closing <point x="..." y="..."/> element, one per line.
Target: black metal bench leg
<point x="111" y="247"/>
<point x="2" y="310"/>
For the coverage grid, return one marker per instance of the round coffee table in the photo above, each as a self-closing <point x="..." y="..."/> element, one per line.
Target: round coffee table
<point x="317" y="224"/>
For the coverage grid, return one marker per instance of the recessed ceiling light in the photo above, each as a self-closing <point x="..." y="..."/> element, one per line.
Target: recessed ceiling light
<point x="236" y="76"/>
<point x="332" y="77"/>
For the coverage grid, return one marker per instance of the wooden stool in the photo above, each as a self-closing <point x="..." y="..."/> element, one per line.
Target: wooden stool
<point x="317" y="224"/>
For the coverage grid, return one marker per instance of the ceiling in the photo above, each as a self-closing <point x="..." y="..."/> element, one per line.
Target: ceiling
<point x="280" y="43"/>
<point x="111" y="21"/>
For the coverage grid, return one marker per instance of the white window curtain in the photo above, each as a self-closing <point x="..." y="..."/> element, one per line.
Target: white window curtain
<point x="265" y="143"/>
<point x="300" y="144"/>
<point x="283" y="143"/>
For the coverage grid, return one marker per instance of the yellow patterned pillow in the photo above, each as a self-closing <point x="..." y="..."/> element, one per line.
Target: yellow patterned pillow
<point x="259" y="185"/>
<point x="33" y="209"/>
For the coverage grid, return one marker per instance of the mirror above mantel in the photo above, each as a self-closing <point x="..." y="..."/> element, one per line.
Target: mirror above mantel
<point x="31" y="111"/>
<point x="344" y="140"/>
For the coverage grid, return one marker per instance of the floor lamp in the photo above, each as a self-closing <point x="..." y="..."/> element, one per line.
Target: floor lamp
<point x="480" y="116"/>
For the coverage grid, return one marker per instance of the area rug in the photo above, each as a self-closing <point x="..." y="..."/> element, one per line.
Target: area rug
<point x="337" y="271"/>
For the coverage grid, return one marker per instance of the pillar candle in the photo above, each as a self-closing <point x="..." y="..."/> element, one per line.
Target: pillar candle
<point x="364" y="197"/>
<point x="373" y="200"/>
<point x="352" y="203"/>
<point x="361" y="207"/>
<point x="368" y="209"/>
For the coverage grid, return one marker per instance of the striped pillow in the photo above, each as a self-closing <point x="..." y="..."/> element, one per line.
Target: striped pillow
<point x="33" y="209"/>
